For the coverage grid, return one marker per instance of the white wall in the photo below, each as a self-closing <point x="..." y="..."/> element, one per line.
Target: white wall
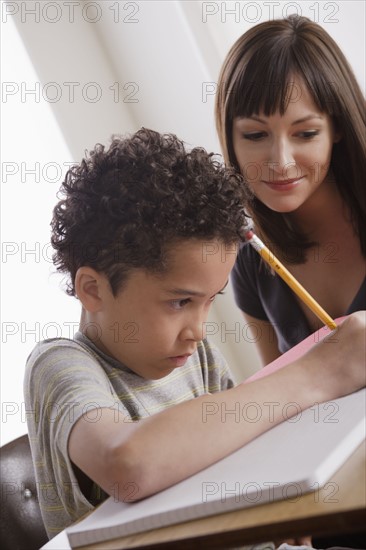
<point x="162" y="60"/>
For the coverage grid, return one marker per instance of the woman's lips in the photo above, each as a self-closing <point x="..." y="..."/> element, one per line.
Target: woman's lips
<point x="283" y="185"/>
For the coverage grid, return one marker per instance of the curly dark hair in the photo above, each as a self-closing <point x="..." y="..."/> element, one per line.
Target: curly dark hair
<point x="125" y="207"/>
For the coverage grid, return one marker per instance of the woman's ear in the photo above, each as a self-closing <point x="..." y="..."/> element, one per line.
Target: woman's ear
<point x="89" y="288"/>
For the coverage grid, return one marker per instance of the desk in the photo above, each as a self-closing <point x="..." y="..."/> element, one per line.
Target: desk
<point x="337" y="508"/>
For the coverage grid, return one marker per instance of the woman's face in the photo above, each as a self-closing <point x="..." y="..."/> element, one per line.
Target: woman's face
<point x="285" y="159"/>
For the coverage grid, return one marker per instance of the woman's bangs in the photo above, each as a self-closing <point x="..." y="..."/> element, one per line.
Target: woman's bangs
<point x="263" y="87"/>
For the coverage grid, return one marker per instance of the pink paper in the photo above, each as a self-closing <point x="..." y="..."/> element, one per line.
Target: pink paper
<point x="294" y="353"/>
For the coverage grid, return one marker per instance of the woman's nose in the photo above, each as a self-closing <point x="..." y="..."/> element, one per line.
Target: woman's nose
<point x="281" y="158"/>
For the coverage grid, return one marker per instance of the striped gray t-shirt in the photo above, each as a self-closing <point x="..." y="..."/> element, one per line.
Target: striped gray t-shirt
<point x="66" y="379"/>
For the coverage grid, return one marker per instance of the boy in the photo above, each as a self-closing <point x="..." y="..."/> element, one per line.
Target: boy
<point x="148" y="235"/>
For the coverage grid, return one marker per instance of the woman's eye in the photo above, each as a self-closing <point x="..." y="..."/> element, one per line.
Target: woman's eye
<point x="308" y="134"/>
<point x="179" y="304"/>
<point x="254" y="136"/>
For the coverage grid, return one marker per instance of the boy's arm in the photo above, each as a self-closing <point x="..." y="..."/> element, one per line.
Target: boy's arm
<point x="134" y="460"/>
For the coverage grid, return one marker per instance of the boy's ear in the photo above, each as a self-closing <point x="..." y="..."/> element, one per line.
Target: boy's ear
<point x="89" y="288"/>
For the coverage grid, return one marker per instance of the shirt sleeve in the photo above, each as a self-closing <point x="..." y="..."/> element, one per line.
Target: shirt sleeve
<point x="215" y="369"/>
<point x="62" y="382"/>
<point x="245" y="278"/>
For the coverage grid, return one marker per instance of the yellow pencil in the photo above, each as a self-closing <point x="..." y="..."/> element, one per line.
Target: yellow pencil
<point x="280" y="269"/>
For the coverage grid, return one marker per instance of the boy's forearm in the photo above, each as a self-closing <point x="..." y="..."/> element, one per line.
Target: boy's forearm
<point x="174" y="444"/>
<point x="161" y="450"/>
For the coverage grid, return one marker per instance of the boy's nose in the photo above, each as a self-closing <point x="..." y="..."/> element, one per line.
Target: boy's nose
<point x="194" y="329"/>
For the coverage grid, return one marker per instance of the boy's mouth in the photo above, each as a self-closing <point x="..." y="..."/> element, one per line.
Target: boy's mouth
<point x="180" y="360"/>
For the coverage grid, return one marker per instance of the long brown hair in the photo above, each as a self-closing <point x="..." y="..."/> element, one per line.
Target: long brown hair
<point x="256" y="76"/>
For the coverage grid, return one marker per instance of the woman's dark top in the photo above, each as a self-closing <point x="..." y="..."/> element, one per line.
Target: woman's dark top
<point x="261" y="293"/>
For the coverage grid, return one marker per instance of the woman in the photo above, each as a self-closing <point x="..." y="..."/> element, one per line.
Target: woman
<point x="291" y="118"/>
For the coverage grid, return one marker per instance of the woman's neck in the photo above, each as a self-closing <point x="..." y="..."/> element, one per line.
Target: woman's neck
<point x="323" y="216"/>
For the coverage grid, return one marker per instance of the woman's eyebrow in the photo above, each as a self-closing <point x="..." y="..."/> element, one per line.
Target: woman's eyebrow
<point x="252" y="117"/>
<point x="305" y="118"/>
<point x="298" y="121"/>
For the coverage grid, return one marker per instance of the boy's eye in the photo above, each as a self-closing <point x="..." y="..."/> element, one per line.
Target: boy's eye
<point x="254" y="136"/>
<point x="308" y="134"/>
<point x="179" y="304"/>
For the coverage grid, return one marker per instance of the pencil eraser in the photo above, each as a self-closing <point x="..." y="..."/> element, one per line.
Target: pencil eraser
<point x="249" y="235"/>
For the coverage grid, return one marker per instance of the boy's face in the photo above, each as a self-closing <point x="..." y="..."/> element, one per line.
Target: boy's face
<point x="154" y="323"/>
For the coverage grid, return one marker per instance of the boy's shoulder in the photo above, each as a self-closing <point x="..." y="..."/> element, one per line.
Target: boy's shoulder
<point x="54" y="344"/>
<point x="209" y="353"/>
<point x="58" y="348"/>
<point x="214" y="366"/>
